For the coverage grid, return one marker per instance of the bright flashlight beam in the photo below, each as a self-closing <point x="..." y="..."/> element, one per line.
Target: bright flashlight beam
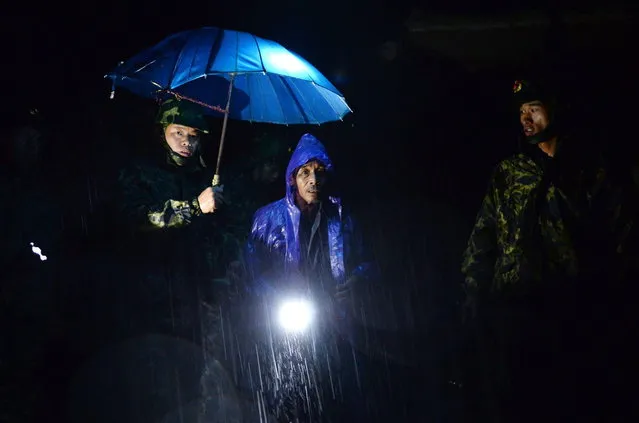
<point x="296" y="315"/>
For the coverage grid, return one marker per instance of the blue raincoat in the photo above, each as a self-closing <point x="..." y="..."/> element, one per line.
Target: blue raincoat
<point x="274" y="243"/>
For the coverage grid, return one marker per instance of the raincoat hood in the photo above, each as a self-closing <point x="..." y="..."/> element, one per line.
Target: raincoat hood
<point x="308" y="148"/>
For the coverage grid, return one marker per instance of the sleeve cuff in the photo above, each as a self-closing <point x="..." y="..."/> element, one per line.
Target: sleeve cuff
<point x="195" y="206"/>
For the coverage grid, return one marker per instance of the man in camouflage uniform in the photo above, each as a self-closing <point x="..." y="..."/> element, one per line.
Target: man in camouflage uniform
<point x="544" y="226"/>
<point x="167" y="201"/>
<point x="170" y="211"/>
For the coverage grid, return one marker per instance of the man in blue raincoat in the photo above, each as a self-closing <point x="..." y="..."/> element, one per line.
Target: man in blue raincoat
<point x="308" y="233"/>
<point x="307" y="241"/>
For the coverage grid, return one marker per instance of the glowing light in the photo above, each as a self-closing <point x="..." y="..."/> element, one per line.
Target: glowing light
<point x="36" y="250"/>
<point x="286" y="61"/>
<point x="296" y="315"/>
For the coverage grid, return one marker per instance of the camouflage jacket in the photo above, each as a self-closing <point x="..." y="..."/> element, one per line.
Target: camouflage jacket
<point x="161" y="196"/>
<point x="542" y="219"/>
<point x="160" y="209"/>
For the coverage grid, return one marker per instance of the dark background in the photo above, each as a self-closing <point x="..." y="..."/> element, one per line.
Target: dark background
<point x="431" y="108"/>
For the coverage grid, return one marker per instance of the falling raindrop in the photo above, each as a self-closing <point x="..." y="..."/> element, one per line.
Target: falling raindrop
<point x="223" y="334"/>
<point x="259" y="368"/>
<point x="356" y="367"/>
<point x="90" y="194"/>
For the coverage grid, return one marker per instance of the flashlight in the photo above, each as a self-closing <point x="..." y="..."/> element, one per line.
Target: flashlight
<point x="296" y="315"/>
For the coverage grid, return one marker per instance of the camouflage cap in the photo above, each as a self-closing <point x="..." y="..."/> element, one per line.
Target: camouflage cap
<point x="525" y="91"/>
<point x="181" y="112"/>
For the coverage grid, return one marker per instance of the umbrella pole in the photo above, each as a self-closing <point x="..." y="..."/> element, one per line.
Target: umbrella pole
<point x="216" y="177"/>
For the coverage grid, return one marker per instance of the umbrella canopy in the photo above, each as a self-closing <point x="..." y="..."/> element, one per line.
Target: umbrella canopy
<point x="270" y="84"/>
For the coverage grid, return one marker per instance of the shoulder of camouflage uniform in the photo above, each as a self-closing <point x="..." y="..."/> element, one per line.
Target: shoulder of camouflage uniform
<point x="516" y="159"/>
<point x="517" y="163"/>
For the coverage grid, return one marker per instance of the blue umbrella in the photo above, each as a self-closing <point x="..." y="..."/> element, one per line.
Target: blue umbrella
<point x="212" y="66"/>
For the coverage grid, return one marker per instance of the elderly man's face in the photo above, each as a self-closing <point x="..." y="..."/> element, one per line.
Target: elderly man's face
<point x="310" y="180"/>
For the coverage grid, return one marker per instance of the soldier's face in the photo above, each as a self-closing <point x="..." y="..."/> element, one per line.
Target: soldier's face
<point x="182" y="140"/>
<point x="310" y="179"/>
<point x="533" y="117"/>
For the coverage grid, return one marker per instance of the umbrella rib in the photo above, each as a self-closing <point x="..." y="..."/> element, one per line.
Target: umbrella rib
<point x="248" y="79"/>
<point x="276" y="96"/>
<point x="193" y="59"/>
<point x="259" y="51"/>
<point x="310" y="77"/>
<point x="179" y="56"/>
<point x="145" y="66"/>
<point x="237" y="50"/>
<point x="213" y="52"/>
<point x="250" y="103"/>
<point x="302" y="110"/>
<point x="321" y="92"/>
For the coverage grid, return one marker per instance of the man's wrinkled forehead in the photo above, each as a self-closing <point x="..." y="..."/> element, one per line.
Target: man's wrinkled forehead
<point x="311" y="164"/>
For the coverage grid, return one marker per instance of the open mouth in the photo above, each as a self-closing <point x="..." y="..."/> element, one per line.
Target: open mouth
<point x="185" y="153"/>
<point x="529" y="130"/>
